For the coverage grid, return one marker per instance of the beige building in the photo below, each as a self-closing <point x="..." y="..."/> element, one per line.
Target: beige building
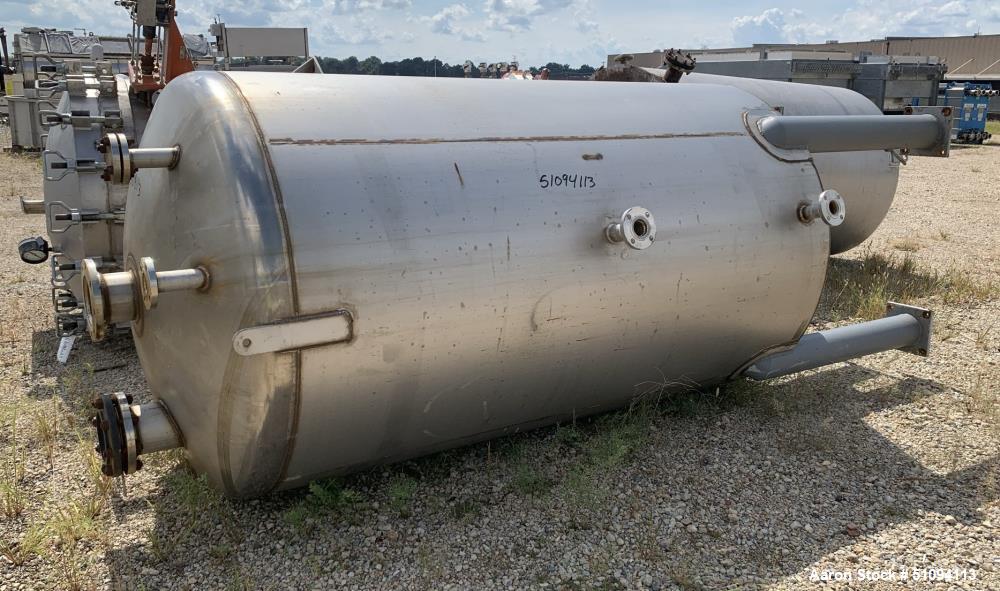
<point x="973" y="57"/>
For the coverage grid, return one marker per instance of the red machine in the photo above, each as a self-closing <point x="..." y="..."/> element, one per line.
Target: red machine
<point x="163" y="56"/>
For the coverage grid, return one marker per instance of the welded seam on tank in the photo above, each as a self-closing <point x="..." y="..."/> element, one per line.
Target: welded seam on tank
<point x="279" y="141"/>
<point x="293" y="428"/>
<point x="769" y="148"/>
<point x="272" y="175"/>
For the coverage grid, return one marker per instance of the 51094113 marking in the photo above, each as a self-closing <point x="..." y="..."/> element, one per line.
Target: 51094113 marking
<point x="573" y="181"/>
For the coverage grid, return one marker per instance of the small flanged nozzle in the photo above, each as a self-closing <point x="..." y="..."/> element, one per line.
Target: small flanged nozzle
<point x="829" y="207"/>
<point x="637" y="229"/>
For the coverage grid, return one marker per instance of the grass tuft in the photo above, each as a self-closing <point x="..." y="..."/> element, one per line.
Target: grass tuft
<point x="528" y="480"/>
<point x="30" y="544"/>
<point x="907" y="245"/>
<point x="860" y="288"/>
<point x="330" y="495"/>
<point x="401" y="491"/>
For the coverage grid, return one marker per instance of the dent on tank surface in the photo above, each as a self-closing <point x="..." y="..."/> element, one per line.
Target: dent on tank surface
<point x="358" y="270"/>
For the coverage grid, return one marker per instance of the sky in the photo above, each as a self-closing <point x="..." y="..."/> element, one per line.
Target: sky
<point x="536" y="32"/>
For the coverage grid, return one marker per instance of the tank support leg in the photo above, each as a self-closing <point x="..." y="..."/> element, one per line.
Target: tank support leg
<point x="904" y="327"/>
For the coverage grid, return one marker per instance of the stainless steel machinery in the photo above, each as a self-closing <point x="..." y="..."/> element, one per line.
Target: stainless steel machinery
<point x="71" y="103"/>
<point x="353" y="270"/>
<point x="83" y="213"/>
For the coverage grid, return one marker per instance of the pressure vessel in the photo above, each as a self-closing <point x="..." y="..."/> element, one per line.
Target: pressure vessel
<point x="355" y="270"/>
<point x="866" y="180"/>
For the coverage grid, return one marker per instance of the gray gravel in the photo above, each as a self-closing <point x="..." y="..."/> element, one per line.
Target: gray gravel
<point x="887" y="463"/>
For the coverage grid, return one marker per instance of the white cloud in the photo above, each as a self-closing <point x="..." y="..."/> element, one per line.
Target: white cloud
<point x="445" y="22"/>
<point x="776" y="26"/>
<point x="354" y="6"/>
<point x="866" y="19"/>
<point x="519" y="15"/>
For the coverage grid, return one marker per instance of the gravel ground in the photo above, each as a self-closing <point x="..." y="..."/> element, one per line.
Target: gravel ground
<point x="881" y="466"/>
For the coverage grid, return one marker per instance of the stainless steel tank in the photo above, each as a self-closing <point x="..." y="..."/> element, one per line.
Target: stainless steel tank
<point x="866" y="180"/>
<point x="354" y="270"/>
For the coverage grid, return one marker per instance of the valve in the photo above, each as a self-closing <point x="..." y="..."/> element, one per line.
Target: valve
<point x="33" y="250"/>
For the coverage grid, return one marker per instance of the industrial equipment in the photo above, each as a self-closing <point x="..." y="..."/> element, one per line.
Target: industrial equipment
<point x="5" y="68"/>
<point x="970" y="102"/>
<point x="73" y="102"/>
<point x="867" y="182"/>
<point x="894" y="82"/>
<point x="354" y="270"/>
<point x="78" y="103"/>
<point x="890" y="82"/>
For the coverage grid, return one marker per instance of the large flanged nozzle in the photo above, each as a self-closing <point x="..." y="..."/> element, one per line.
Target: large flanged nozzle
<point x="116" y="435"/>
<point x="121" y="297"/>
<point x="126" y="431"/>
<point x="122" y="162"/>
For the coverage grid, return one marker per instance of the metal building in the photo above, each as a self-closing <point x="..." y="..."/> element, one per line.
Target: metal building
<point x="969" y="58"/>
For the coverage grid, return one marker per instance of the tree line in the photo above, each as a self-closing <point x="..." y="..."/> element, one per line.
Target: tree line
<point x="418" y="66"/>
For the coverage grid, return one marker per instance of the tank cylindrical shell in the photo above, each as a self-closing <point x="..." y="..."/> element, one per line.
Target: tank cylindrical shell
<point x="461" y="226"/>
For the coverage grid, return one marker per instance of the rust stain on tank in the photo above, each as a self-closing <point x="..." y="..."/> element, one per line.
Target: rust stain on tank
<point x="497" y="139"/>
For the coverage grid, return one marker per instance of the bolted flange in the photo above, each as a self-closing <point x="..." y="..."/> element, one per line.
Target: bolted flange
<point x="120" y="297"/>
<point x="828" y="207"/>
<point x="637" y="229"/>
<point x="122" y="162"/>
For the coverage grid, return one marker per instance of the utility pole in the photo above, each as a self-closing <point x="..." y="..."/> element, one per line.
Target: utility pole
<point x="435" y="66"/>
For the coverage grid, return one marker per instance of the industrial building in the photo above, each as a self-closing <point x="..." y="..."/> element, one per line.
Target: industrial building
<point x="894" y="73"/>
<point x="970" y="58"/>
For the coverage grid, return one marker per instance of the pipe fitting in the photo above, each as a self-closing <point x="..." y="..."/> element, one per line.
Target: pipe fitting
<point x="906" y="328"/>
<point x="113" y="298"/>
<point x="122" y="162"/>
<point x="637" y="229"/>
<point x="32" y="206"/>
<point x="126" y="431"/>
<point x="829" y="207"/>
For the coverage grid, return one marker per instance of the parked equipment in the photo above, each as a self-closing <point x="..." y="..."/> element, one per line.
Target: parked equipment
<point x="87" y="113"/>
<point x="971" y="103"/>
<point x="379" y="273"/>
<point x="890" y="82"/>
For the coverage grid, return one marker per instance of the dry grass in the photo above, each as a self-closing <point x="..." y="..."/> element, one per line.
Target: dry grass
<point x="983" y="401"/>
<point x="30" y="544"/>
<point x="907" y="245"/>
<point x="47" y="428"/>
<point x="860" y="288"/>
<point x="12" y="495"/>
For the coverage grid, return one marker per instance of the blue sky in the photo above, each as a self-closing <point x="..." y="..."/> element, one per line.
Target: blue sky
<point x="538" y="31"/>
